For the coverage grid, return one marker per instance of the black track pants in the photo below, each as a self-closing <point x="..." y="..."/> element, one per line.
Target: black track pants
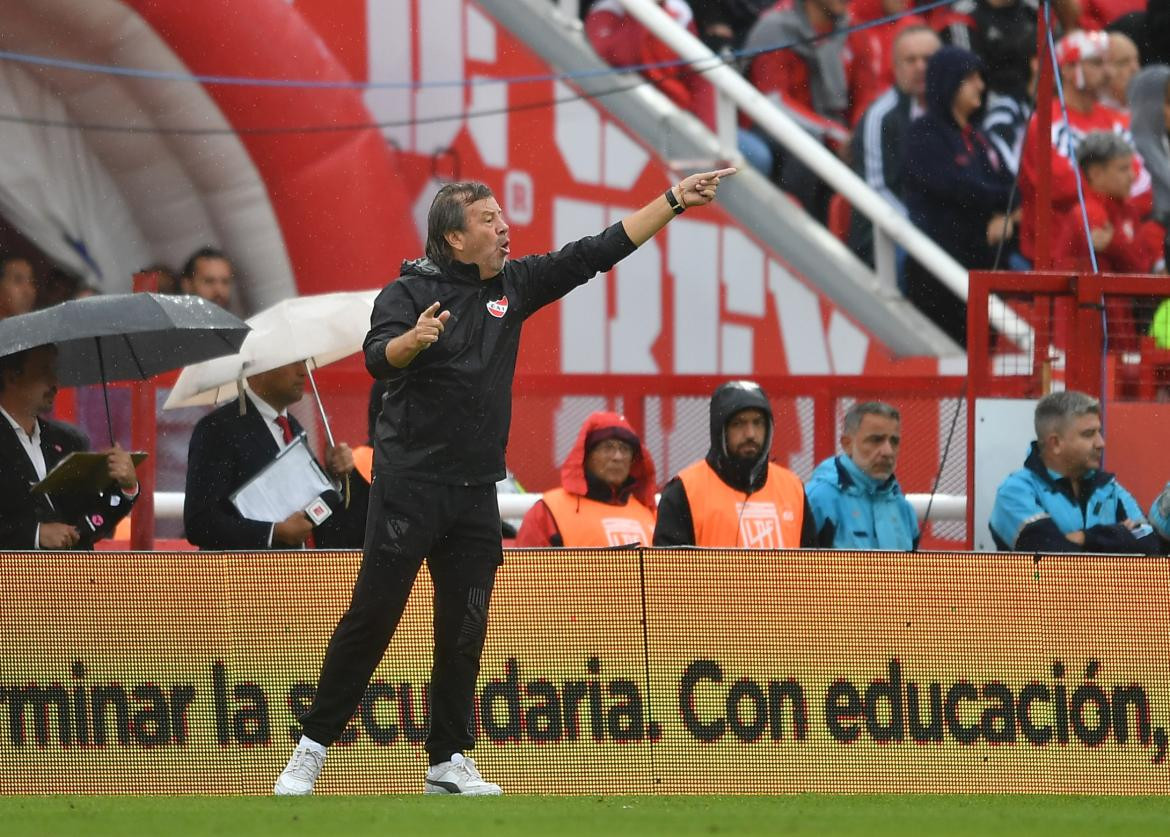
<point x="457" y="528"/>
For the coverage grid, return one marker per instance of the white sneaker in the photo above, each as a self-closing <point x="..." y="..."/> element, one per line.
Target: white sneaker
<point x="459" y="776"/>
<point x="301" y="773"/>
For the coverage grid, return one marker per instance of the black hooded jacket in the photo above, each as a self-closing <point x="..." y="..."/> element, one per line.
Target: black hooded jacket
<point x="445" y="417"/>
<point x="955" y="181"/>
<point x="675" y="526"/>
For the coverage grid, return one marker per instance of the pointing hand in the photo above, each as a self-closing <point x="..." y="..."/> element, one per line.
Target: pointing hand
<point x="429" y="327"/>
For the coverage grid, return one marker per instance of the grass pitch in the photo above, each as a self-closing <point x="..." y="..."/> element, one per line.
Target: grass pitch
<point x="612" y="816"/>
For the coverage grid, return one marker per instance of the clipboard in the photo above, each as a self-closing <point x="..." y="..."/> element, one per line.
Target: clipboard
<point x="286" y="484"/>
<point x="81" y="472"/>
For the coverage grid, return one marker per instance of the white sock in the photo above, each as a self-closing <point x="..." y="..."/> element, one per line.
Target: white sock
<point x="311" y="744"/>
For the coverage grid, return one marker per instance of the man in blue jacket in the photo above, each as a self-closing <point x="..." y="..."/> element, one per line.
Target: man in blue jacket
<point x="1160" y="516"/>
<point x="855" y="497"/>
<point x="1060" y="501"/>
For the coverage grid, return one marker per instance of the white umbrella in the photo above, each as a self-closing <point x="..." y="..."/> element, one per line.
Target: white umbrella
<point x="317" y="329"/>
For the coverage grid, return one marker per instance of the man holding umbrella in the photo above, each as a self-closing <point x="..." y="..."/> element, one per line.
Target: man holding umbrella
<point x="445" y="336"/>
<point x="230" y="446"/>
<point x="30" y="447"/>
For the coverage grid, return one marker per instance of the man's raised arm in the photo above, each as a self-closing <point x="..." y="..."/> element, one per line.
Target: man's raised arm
<point x="695" y="190"/>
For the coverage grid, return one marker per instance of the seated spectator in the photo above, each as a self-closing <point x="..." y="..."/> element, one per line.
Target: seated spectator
<point x="622" y="41"/>
<point x="1084" y="76"/>
<point x="735" y="497"/>
<point x="879" y="143"/>
<point x="606" y="496"/>
<point x="18" y="286"/>
<point x="874" y="67"/>
<point x="1106" y="162"/>
<point x="208" y="273"/>
<point x="1059" y="501"/>
<point x="1160" y="517"/>
<point x="31" y="446"/>
<point x="854" y="496"/>
<point x="724" y="24"/>
<point x="958" y="189"/>
<point x="809" y="80"/>
<point x="1010" y="55"/>
<point x="230" y="446"/>
<point x="1124" y="63"/>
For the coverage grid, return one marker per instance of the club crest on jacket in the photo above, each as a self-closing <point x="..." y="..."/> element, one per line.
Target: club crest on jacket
<point x="498" y="307"/>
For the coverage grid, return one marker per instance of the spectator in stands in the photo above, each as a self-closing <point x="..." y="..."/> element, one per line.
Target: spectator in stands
<point x="1008" y="49"/>
<point x="957" y="189"/>
<point x="873" y="70"/>
<point x="208" y="273"/>
<point x="724" y="24"/>
<point x="1084" y="76"/>
<point x="879" y="144"/>
<point x="1123" y="62"/>
<point x="854" y="496"/>
<point x="234" y="443"/>
<point x="1149" y="97"/>
<point x="735" y="497"/>
<point x="1059" y="501"/>
<point x="18" y="286"/>
<point x="807" y="79"/>
<point x="31" y="446"/>
<point x="606" y="496"/>
<point x="622" y="41"/>
<point x="1106" y="162"/>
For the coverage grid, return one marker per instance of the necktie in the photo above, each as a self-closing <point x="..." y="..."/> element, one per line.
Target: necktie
<point x="285" y="427"/>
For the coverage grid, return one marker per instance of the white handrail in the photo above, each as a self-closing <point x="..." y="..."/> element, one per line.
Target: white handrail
<point x="823" y="163"/>
<point x="168" y="505"/>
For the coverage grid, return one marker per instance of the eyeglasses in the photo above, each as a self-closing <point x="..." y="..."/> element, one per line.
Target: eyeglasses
<point x="611" y="447"/>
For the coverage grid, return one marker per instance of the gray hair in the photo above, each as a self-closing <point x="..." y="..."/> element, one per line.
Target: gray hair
<point x="854" y="414"/>
<point x="448" y="213"/>
<point x="1101" y="147"/>
<point x="1057" y="409"/>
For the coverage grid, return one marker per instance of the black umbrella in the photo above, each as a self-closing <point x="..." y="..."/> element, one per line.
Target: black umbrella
<point x="122" y="337"/>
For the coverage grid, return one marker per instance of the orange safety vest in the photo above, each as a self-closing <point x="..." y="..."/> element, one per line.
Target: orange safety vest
<point x="770" y="518"/>
<point x="585" y="522"/>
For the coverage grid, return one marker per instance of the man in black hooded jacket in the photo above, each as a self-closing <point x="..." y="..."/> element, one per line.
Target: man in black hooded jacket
<point x="735" y="497"/>
<point x="445" y="336"/>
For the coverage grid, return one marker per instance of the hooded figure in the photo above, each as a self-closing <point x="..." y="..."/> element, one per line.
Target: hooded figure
<point x="606" y="496"/>
<point x="735" y="497"/>
<point x="957" y="184"/>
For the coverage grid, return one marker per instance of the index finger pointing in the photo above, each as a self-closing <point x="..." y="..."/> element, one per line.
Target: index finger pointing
<point x="728" y="172"/>
<point x="431" y="309"/>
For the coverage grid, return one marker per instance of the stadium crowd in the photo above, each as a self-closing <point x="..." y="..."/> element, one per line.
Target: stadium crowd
<point x="935" y="111"/>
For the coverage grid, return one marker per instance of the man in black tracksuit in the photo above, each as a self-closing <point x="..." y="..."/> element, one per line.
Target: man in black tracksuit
<point x="445" y="337"/>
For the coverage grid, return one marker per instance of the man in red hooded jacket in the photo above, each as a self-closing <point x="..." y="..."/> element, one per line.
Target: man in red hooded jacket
<point x="606" y="496"/>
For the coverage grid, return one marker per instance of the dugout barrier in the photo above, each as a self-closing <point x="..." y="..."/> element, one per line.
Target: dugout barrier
<point x="605" y="671"/>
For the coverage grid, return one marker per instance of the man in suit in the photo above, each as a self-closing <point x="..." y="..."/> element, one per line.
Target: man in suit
<point x="30" y="447"/>
<point x="229" y="448"/>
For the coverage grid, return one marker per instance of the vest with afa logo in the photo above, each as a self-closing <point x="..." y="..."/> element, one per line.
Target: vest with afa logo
<point x="770" y="518"/>
<point x="585" y="522"/>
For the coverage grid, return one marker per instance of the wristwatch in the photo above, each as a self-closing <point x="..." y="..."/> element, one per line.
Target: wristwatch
<point x="675" y="206"/>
